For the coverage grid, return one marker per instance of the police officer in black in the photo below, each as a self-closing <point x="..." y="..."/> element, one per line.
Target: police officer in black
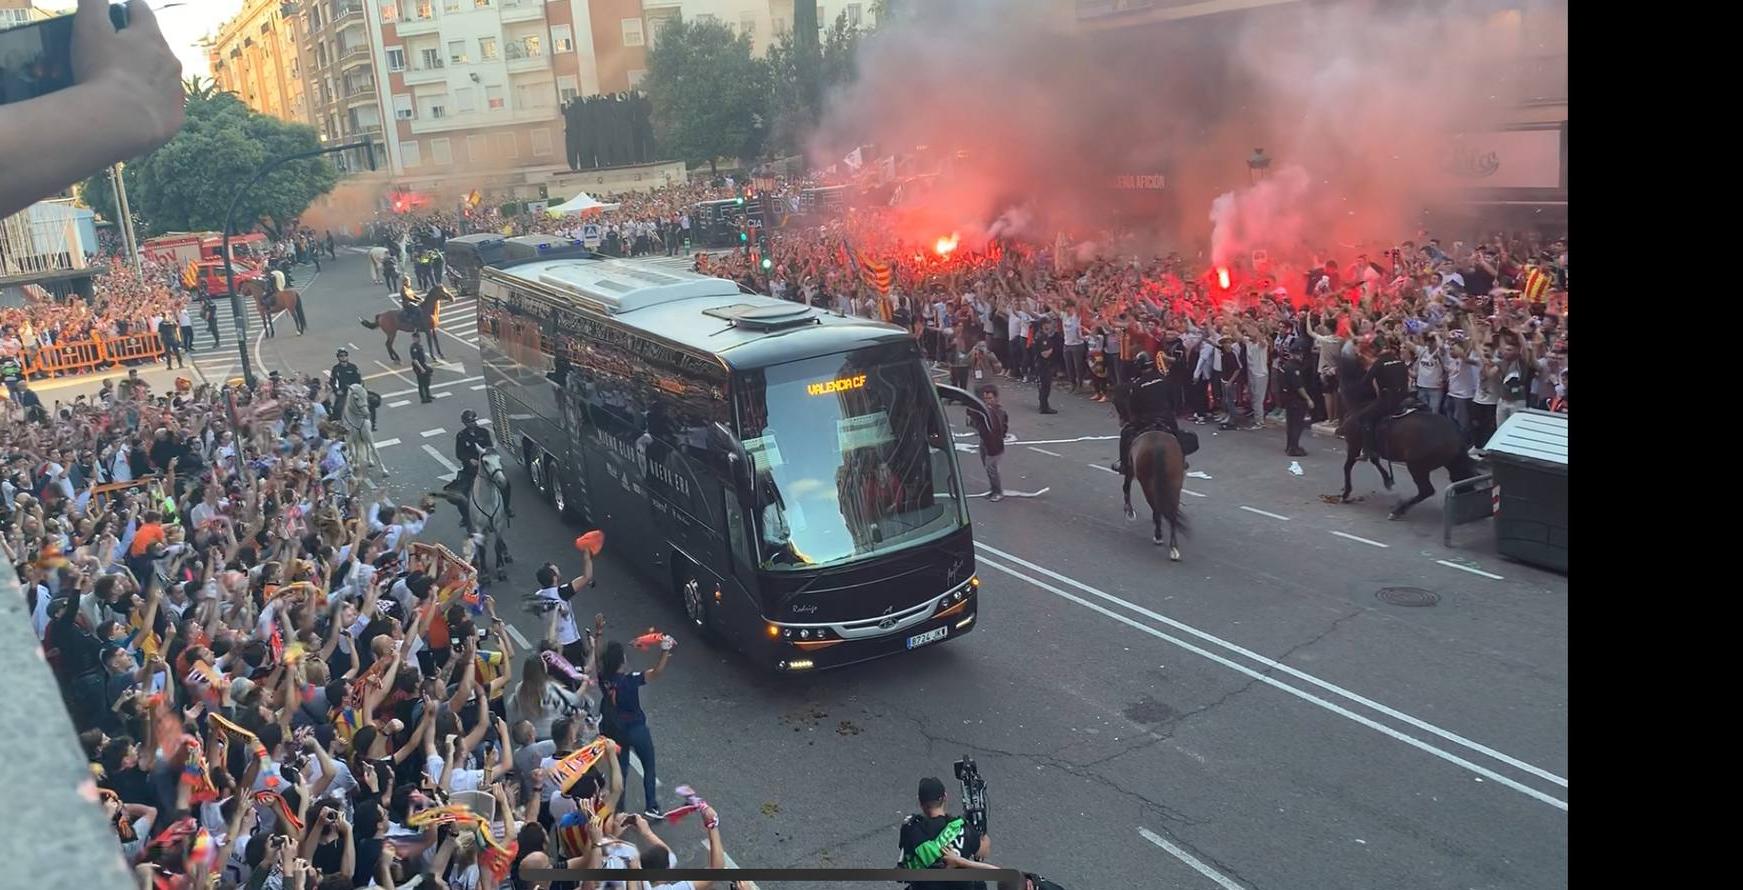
<point x="469" y="445"/>
<point x="1293" y="388"/>
<point x="1151" y="403"/>
<point x="1389" y="377"/>
<point x="421" y="369"/>
<point x="344" y="374"/>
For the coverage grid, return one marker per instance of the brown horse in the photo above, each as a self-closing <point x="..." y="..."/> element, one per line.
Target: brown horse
<point x="427" y="316"/>
<point x="286" y="300"/>
<point x="1160" y="467"/>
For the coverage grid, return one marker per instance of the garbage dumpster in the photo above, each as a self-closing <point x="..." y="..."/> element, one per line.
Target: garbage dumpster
<point x="1528" y="455"/>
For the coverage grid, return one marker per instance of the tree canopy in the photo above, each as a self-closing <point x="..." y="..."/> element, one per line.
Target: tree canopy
<point x="186" y="184"/>
<point x="709" y="93"/>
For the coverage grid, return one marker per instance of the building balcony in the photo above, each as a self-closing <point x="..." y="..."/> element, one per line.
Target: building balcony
<point x="522" y="10"/>
<point x="343" y="12"/>
<point x="416" y="22"/>
<point x="520" y="61"/>
<point x="426" y="74"/>
<point x="359" y="96"/>
<point x="478" y="120"/>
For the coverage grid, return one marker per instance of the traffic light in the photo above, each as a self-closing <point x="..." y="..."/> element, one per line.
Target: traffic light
<point x="768" y="264"/>
<point x="743" y="236"/>
<point x="741" y="200"/>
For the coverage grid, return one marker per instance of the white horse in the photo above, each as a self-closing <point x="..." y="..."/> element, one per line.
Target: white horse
<point x="484" y="510"/>
<point x="358" y="436"/>
<point x="377" y="256"/>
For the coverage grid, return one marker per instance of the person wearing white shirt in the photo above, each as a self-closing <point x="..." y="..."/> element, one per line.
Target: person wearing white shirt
<point x="1430" y="375"/>
<point x="1071" y="330"/>
<point x="552" y="597"/>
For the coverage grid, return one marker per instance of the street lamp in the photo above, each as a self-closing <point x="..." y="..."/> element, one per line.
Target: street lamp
<point x="1257" y="166"/>
<point x="238" y="316"/>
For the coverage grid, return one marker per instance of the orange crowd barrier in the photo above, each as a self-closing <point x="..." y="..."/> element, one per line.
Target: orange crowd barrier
<point x="80" y="356"/>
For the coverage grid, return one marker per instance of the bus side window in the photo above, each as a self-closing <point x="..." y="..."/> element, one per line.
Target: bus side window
<point x="736" y="532"/>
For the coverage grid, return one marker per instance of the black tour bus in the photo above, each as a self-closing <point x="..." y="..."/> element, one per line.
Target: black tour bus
<point x="467" y="255"/>
<point x="788" y="474"/>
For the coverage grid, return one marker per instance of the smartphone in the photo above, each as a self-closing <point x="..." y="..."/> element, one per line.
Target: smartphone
<point x="37" y="59"/>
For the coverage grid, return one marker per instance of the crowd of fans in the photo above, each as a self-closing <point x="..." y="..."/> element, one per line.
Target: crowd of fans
<point x="281" y="683"/>
<point x="124" y="301"/>
<point x="1484" y="323"/>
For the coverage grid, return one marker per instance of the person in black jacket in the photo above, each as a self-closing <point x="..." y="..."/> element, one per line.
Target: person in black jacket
<point x="1049" y="351"/>
<point x="992" y="427"/>
<point x="1390" y="378"/>
<point x="343" y="374"/>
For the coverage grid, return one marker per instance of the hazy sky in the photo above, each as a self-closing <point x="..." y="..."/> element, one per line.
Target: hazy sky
<point x="184" y="23"/>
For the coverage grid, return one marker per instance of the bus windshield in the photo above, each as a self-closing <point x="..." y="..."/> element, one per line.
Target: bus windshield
<point x="852" y="457"/>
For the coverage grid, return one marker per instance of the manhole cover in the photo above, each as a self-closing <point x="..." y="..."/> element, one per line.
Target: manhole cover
<point x="1413" y="597"/>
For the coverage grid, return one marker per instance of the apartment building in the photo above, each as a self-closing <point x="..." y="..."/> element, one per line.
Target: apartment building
<point x="254" y="55"/>
<point x="19" y="12"/>
<point x="337" y="54"/>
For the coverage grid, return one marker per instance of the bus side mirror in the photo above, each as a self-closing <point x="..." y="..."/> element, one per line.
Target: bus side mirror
<point x="722" y="438"/>
<point x="962" y="397"/>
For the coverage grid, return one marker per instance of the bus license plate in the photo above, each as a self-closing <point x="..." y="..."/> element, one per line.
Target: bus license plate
<point x="931" y="636"/>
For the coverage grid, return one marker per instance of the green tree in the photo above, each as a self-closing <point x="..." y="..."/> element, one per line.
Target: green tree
<point x="708" y="93"/>
<point x="790" y="118"/>
<point x="186" y="184"/>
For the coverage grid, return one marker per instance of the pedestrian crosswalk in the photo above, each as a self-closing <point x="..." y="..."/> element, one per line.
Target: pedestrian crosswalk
<point x="459" y="320"/>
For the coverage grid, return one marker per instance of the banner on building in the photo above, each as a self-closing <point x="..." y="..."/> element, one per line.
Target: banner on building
<point x="1506" y="159"/>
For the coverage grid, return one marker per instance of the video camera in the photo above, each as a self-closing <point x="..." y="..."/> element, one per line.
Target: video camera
<point x="974" y="809"/>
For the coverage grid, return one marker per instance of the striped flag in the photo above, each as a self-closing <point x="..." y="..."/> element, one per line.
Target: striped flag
<point x="1536" y="284"/>
<point x="877" y="276"/>
<point x="191" y="275"/>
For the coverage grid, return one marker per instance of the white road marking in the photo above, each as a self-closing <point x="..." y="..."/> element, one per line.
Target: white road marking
<point x="440" y="395"/>
<point x="431" y="433"/>
<point x="635" y="763"/>
<point x="1279" y="667"/>
<point x="1064" y="441"/>
<point x="519" y="638"/>
<point x="446" y="463"/>
<point x="395" y="372"/>
<point x="484" y="421"/>
<point x="1264" y="512"/>
<point x="399" y="404"/>
<point x="1016" y="494"/>
<point x="1276" y="683"/>
<point x="1193" y="493"/>
<point x="476" y="387"/>
<point x="1191" y="860"/>
<point x="386" y="442"/>
<point x="413" y="390"/>
<point x="1101" y="468"/>
<point x="1359" y="538"/>
<point x="1454" y="565"/>
<point x="1045" y="451"/>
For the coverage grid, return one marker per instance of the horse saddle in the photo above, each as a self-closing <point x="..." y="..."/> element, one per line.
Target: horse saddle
<point x="1407" y="407"/>
<point x="1188" y="439"/>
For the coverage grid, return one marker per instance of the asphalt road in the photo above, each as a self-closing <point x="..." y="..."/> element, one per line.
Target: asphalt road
<point x="1253" y="716"/>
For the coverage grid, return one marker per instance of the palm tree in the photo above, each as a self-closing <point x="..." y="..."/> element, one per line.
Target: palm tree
<point x="197" y="88"/>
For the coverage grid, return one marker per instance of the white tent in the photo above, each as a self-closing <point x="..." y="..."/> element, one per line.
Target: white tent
<point x="582" y="203"/>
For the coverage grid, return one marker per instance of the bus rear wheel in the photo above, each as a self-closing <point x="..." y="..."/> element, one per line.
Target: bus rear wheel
<point x="698" y="607"/>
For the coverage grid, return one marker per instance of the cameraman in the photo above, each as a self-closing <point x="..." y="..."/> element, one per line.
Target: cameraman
<point x="933" y="838"/>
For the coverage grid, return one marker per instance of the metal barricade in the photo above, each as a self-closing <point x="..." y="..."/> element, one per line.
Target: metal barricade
<point x="1467" y="500"/>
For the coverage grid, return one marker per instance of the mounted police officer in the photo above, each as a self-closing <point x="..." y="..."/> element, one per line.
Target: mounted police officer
<point x="1150" y="405"/>
<point x="344" y="374"/>
<point x="469" y="445"/>
<point x="1390" y="378"/>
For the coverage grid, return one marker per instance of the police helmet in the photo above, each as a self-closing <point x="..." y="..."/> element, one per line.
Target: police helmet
<point x="469" y="416"/>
